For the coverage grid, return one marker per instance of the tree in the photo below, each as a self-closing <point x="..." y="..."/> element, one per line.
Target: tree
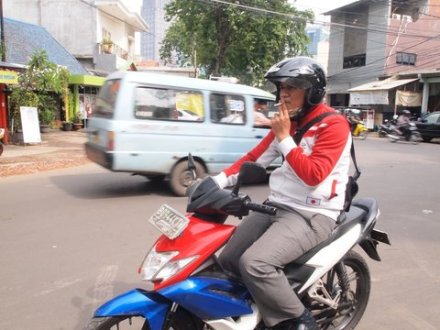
<point x="41" y="78"/>
<point x="241" y="40"/>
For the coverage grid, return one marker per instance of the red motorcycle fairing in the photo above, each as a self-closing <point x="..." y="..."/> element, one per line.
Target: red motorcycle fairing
<point x="200" y="238"/>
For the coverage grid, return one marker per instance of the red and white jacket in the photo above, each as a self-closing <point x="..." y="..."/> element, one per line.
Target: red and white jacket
<point x="314" y="175"/>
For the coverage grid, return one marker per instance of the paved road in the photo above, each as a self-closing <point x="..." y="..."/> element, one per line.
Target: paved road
<point x="71" y="239"/>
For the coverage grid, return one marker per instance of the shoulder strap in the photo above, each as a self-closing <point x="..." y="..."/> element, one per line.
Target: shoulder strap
<point x="302" y="130"/>
<point x="357" y="172"/>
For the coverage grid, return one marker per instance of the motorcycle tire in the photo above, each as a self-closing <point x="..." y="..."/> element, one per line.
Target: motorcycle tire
<point x="382" y="134"/>
<point x="363" y="135"/>
<point x="181" y="177"/>
<point x="415" y="137"/>
<point x="352" y="301"/>
<point x="180" y="320"/>
<point x="1" y="148"/>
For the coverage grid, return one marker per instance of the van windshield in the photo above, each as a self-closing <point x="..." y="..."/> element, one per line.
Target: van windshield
<point x="106" y="99"/>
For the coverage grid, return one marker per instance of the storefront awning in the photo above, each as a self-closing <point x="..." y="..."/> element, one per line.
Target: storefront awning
<point x="381" y="85"/>
<point x="8" y="77"/>
<point x="86" y="80"/>
<point x="375" y="92"/>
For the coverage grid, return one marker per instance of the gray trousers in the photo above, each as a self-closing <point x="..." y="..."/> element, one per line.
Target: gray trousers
<point x="261" y="246"/>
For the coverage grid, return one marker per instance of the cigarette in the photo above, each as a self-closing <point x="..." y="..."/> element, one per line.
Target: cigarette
<point x="277" y="104"/>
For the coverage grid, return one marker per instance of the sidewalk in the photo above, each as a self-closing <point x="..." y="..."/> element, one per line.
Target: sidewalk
<point x="58" y="149"/>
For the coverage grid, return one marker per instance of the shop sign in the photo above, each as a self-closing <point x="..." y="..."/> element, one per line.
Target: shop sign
<point x="8" y="77"/>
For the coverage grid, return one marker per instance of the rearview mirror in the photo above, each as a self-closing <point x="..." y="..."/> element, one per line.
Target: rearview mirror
<point x="252" y="173"/>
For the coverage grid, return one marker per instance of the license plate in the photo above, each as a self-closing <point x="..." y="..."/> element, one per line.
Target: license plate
<point x="168" y="221"/>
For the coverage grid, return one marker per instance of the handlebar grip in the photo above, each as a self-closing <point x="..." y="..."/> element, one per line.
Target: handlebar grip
<point x="261" y="208"/>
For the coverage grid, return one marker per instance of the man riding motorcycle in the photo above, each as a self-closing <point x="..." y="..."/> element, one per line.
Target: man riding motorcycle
<point x="403" y="122"/>
<point x="308" y="190"/>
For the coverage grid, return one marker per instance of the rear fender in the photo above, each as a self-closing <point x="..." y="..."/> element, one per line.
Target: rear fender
<point x="151" y="305"/>
<point x="369" y="244"/>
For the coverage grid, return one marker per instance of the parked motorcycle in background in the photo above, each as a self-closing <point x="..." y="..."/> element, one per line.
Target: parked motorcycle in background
<point x="408" y="134"/>
<point x="192" y="292"/>
<point x="386" y="128"/>
<point x="2" y="134"/>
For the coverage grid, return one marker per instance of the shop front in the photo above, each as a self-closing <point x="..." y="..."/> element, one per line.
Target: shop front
<point x="84" y="88"/>
<point x="7" y="77"/>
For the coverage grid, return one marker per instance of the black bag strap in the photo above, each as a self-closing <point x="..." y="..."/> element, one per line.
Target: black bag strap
<point x="357" y="172"/>
<point x="302" y="130"/>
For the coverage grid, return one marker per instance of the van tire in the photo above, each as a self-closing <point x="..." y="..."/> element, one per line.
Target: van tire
<point x="155" y="178"/>
<point x="181" y="177"/>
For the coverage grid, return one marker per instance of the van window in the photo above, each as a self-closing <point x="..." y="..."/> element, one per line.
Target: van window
<point x="227" y="109"/>
<point x="168" y="104"/>
<point x="106" y="99"/>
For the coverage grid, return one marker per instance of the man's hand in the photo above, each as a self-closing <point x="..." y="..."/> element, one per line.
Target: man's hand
<point x="281" y="123"/>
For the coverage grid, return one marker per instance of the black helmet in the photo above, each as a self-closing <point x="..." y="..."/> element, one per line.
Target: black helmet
<point x="303" y="72"/>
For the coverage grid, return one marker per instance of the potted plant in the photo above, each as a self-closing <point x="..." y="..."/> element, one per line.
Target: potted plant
<point x="47" y="116"/>
<point x="107" y="45"/>
<point x="67" y="126"/>
<point x="77" y="122"/>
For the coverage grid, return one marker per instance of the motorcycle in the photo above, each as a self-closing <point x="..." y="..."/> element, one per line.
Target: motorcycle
<point x="409" y="134"/>
<point x="192" y="292"/>
<point x="386" y="128"/>
<point x="2" y="134"/>
<point x="359" y="130"/>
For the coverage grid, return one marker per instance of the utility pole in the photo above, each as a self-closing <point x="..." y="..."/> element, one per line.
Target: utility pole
<point x="2" y="33"/>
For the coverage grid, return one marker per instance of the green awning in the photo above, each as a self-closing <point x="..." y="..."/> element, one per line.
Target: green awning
<point x="86" y="80"/>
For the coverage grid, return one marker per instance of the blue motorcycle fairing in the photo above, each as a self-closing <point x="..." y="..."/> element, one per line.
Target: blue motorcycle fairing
<point x="210" y="297"/>
<point x="149" y="304"/>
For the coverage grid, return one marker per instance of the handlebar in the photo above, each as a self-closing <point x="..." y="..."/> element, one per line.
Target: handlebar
<point x="261" y="208"/>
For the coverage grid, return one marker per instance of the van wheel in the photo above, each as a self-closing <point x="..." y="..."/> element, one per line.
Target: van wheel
<point x="181" y="177"/>
<point x="156" y="178"/>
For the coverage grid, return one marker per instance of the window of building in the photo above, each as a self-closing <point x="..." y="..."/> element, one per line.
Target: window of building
<point x="354" y="61"/>
<point x="406" y="58"/>
<point x="408" y="10"/>
<point x="168" y="104"/>
<point x="227" y="109"/>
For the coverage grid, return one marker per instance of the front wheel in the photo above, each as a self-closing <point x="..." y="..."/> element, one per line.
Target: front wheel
<point x="363" y="134"/>
<point x="415" y="137"/>
<point x="348" y="286"/>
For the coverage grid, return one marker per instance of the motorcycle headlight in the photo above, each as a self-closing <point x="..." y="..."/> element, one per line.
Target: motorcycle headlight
<point x="158" y="265"/>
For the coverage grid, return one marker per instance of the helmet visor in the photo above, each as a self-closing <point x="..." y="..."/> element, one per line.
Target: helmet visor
<point x="298" y="83"/>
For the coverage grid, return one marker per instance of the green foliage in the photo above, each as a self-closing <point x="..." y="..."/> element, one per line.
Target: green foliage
<point x="37" y="87"/>
<point x="21" y="98"/>
<point x="227" y="40"/>
<point x="72" y="101"/>
<point x="47" y="116"/>
<point x="43" y="75"/>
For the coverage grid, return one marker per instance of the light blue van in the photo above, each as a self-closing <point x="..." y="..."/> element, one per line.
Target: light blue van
<point x="147" y="124"/>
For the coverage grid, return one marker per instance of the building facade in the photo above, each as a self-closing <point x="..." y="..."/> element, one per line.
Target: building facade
<point x="318" y="45"/>
<point x="374" y="40"/>
<point x="99" y="33"/>
<point x="153" y="12"/>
